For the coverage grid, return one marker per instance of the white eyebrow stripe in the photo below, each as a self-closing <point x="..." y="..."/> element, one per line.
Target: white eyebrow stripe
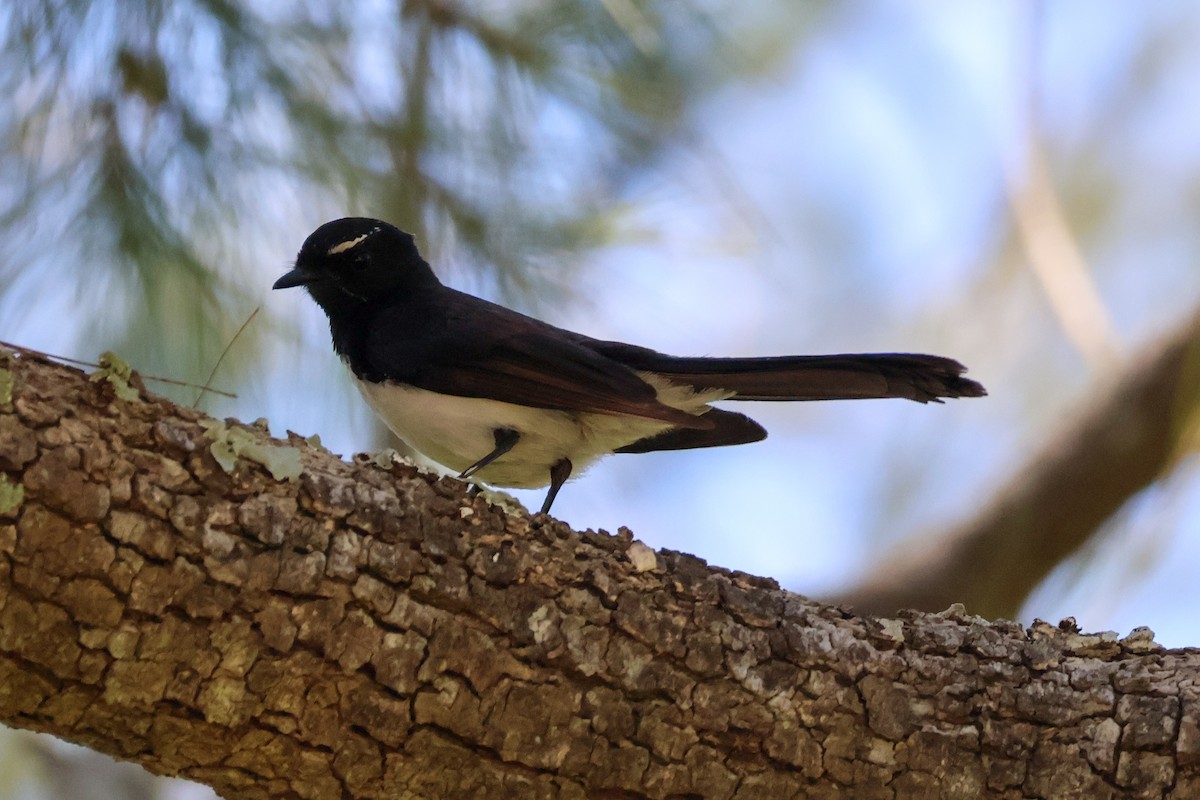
<point x="346" y="245"/>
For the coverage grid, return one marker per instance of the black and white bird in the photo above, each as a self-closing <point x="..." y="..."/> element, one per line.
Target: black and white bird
<point x="512" y="401"/>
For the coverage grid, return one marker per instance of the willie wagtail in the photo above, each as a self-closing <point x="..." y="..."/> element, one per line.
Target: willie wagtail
<point x="513" y="401"/>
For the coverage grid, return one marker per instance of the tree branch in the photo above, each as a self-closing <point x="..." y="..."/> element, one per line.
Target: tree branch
<point x="367" y="632"/>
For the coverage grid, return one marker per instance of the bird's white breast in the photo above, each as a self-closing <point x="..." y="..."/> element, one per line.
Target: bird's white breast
<point x="458" y="431"/>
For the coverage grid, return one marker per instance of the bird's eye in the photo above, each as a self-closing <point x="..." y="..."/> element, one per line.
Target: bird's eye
<point x="360" y="261"/>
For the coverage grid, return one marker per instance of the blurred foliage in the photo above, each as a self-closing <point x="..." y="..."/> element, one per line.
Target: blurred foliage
<point x="154" y="151"/>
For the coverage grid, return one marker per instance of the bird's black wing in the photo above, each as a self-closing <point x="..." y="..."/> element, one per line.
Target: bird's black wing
<point x="456" y="344"/>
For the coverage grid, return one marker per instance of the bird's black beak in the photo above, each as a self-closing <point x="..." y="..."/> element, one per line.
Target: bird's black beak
<point x="297" y="277"/>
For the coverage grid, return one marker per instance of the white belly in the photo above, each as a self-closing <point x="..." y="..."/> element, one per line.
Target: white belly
<point x="458" y="431"/>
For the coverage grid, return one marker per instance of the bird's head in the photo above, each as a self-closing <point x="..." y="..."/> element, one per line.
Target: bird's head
<point x="355" y="261"/>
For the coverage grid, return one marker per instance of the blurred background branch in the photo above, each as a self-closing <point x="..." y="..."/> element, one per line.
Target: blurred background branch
<point x="1056" y="261"/>
<point x="1052" y="252"/>
<point x="1136" y="432"/>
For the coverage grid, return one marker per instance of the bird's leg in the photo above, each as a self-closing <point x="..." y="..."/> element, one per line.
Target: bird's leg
<point x="558" y="476"/>
<point x="506" y="438"/>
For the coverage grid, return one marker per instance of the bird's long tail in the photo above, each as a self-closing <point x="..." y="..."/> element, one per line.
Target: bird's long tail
<point x="912" y="376"/>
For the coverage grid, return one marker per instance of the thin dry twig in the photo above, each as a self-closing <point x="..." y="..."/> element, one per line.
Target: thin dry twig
<point x="220" y="358"/>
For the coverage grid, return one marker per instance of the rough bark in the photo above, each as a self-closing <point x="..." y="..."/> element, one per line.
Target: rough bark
<point x="365" y="632"/>
<point x="1130" y="435"/>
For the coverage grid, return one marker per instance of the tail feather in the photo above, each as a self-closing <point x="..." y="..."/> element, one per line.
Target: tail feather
<point x="912" y="376"/>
